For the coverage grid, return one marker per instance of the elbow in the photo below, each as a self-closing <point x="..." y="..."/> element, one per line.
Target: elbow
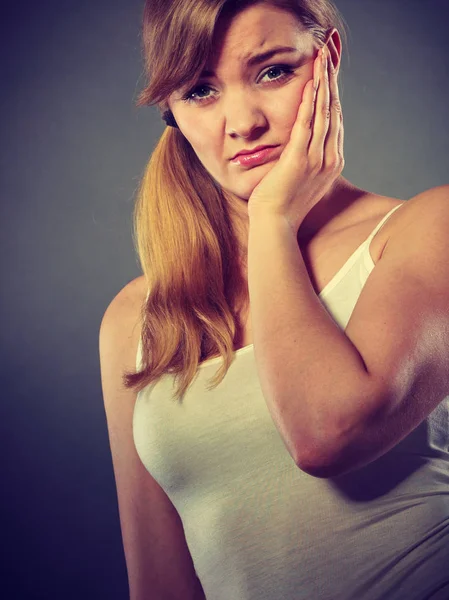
<point x="320" y="466"/>
<point x="317" y="456"/>
<point x="321" y="469"/>
<point x="330" y="457"/>
<point x="344" y="445"/>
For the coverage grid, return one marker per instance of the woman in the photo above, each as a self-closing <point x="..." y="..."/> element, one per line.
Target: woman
<point x="317" y="465"/>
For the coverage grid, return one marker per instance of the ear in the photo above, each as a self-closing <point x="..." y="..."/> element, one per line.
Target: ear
<point x="334" y="45"/>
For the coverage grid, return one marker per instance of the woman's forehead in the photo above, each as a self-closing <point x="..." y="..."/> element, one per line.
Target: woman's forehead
<point x="255" y="30"/>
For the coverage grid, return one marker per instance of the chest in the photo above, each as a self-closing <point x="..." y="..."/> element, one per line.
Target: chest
<point x="324" y="256"/>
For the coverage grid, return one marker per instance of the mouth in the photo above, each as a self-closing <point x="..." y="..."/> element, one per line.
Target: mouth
<point x="253" y="150"/>
<point x="257" y="156"/>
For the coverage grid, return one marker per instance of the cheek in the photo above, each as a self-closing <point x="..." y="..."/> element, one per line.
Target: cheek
<point x="201" y="138"/>
<point x="209" y="153"/>
<point x="287" y="110"/>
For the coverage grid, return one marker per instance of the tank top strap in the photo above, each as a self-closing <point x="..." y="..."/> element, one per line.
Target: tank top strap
<point x="381" y="224"/>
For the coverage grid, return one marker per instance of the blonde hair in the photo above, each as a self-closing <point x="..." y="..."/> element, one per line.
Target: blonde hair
<point x="184" y="223"/>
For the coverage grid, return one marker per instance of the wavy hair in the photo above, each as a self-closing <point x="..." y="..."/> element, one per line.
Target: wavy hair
<point x="184" y="224"/>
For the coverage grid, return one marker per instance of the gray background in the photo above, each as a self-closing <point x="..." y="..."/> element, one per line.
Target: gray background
<point x="73" y="150"/>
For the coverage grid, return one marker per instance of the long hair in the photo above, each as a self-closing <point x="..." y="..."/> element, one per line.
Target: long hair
<point x="184" y="223"/>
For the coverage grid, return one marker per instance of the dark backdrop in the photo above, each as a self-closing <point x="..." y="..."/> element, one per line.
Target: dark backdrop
<point x="73" y="149"/>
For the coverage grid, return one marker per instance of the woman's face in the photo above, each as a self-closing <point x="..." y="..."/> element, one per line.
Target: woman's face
<point x="240" y="104"/>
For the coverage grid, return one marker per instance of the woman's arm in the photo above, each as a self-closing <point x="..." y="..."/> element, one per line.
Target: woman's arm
<point x="158" y="560"/>
<point x="340" y="399"/>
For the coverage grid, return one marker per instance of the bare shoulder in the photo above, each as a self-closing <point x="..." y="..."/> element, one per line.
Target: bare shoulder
<point x="426" y="209"/>
<point x="121" y="325"/>
<point x="419" y="213"/>
<point x="420" y="228"/>
<point x="127" y="301"/>
<point x="433" y="202"/>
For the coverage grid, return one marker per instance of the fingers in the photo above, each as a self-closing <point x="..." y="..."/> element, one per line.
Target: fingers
<point x="318" y="131"/>
<point x="333" y="148"/>
<point x="322" y="110"/>
<point x="303" y="127"/>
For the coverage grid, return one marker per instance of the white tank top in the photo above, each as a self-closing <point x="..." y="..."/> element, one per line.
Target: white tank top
<point x="259" y="528"/>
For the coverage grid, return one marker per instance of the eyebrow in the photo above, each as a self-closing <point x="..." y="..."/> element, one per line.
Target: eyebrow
<point x="256" y="59"/>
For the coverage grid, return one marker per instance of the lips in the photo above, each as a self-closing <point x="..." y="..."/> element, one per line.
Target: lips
<point x="251" y="151"/>
<point x="255" y="156"/>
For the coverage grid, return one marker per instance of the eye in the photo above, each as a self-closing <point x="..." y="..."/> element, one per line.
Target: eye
<point x="188" y="97"/>
<point x="287" y="71"/>
<point x="193" y="96"/>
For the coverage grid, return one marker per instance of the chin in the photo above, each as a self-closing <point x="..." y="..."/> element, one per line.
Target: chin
<point x="244" y="183"/>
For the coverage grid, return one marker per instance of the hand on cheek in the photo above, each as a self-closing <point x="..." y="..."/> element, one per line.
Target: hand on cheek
<point x="313" y="157"/>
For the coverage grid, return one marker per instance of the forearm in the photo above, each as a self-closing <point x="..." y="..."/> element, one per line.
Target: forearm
<point x="310" y="372"/>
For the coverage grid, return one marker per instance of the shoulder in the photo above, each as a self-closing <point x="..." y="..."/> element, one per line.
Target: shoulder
<point x="428" y="209"/>
<point x="419" y="235"/>
<point x="433" y="202"/>
<point x="134" y="291"/>
<point x="427" y="204"/>
<point x="121" y="325"/>
<point x="126" y="302"/>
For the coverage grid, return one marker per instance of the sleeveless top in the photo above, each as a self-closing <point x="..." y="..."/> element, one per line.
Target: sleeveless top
<point x="259" y="528"/>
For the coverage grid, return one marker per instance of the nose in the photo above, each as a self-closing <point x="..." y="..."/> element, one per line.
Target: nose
<point x="243" y="117"/>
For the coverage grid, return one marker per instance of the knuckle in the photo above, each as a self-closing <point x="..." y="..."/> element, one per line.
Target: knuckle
<point x="335" y="163"/>
<point x="337" y="107"/>
<point x="307" y="122"/>
<point x="315" y="165"/>
<point x="325" y="111"/>
<point x="332" y="163"/>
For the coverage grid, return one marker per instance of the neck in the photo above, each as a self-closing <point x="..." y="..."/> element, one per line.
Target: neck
<point x="331" y="211"/>
<point x="325" y="216"/>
